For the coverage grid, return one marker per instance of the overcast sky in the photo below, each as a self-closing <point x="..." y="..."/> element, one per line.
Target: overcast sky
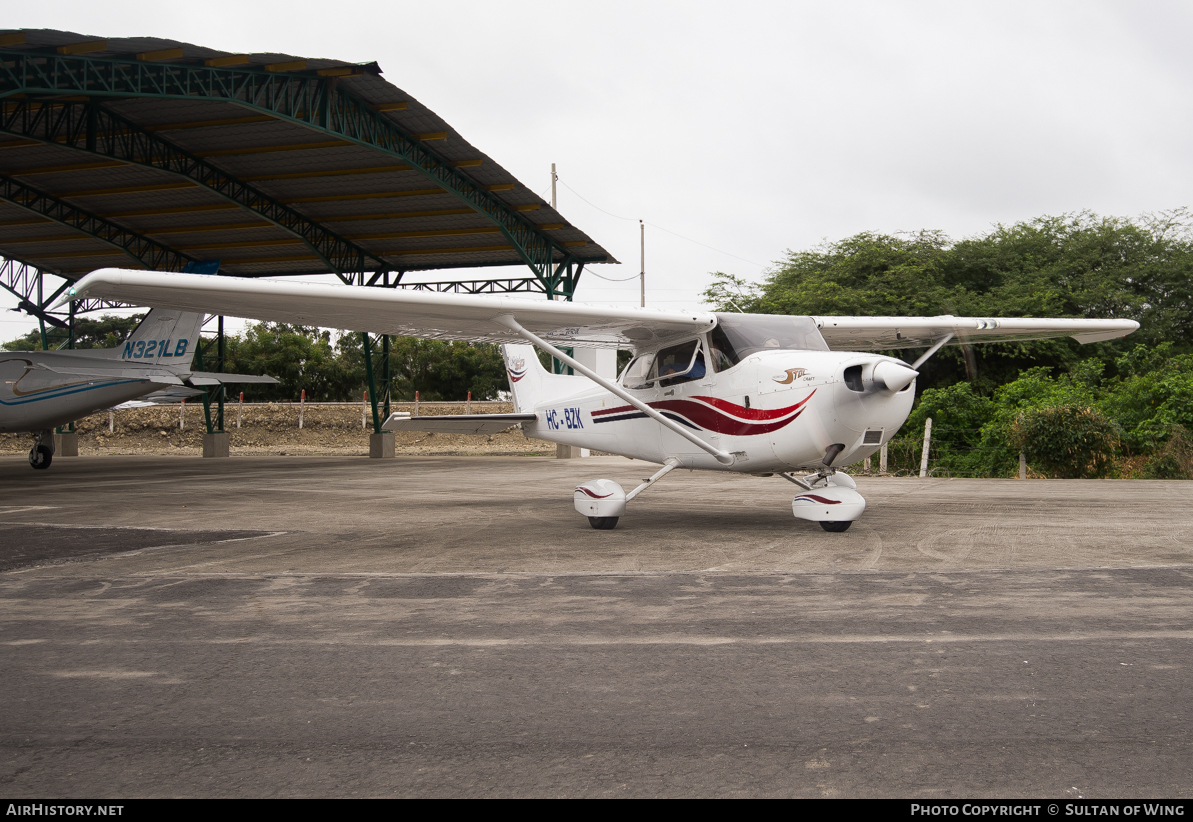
<point x="755" y="127"/>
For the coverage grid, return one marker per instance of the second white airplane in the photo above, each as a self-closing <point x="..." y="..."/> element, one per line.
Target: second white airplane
<point x="794" y="397"/>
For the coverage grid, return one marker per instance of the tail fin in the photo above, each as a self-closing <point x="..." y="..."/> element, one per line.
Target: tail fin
<point x="530" y="383"/>
<point x="162" y="338"/>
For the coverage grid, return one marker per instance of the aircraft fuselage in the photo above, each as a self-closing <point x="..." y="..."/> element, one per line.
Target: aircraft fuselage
<point x="35" y="399"/>
<point x="775" y="411"/>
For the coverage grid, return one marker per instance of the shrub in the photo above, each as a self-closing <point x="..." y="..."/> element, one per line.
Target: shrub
<point x="1173" y="460"/>
<point x="1067" y="441"/>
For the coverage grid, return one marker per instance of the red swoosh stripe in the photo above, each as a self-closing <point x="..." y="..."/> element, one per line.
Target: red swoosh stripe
<point x="741" y="412"/>
<point x="594" y="496"/>
<point x="710" y="414"/>
<point x="820" y="499"/>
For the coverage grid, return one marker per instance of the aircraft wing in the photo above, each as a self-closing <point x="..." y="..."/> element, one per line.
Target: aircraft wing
<point x="456" y="423"/>
<point x="396" y="311"/>
<point x="114" y="372"/>
<point x="165" y="396"/>
<point x="879" y="333"/>
<point x="215" y="378"/>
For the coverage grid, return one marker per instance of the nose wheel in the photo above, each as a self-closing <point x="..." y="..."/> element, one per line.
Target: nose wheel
<point x="40" y="456"/>
<point x="835" y="527"/>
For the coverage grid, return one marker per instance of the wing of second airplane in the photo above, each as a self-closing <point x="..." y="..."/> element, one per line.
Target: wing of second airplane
<point x="154" y="375"/>
<point x="216" y="377"/>
<point x="400" y="312"/>
<point x="456" y="423"/>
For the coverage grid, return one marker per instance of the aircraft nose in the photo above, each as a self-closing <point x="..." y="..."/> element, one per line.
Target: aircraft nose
<point x="893" y="376"/>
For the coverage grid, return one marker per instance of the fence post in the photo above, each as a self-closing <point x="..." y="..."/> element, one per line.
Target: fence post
<point x="882" y="459"/>
<point x="302" y="404"/>
<point x="927" y="444"/>
<point x="1022" y="465"/>
<point x="866" y="466"/>
<point x="182" y="415"/>
<point x="240" y="409"/>
<point x="416" y="403"/>
<point x="111" y="422"/>
<point x="468" y="404"/>
<point x="364" y="407"/>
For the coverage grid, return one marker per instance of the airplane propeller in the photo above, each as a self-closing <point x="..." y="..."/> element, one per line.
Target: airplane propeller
<point x="41" y="314"/>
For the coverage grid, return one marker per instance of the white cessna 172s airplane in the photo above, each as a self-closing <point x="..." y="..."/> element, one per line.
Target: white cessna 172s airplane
<point x="45" y="389"/>
<point x="755" y="394"/>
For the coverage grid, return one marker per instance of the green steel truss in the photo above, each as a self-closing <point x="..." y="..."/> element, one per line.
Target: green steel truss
<point x="26" y="281"/>
<point x="318" y="103"/>
<point x="92" y="128"/>
<point x="562" y="283"/>
<point x="149" y="253"/>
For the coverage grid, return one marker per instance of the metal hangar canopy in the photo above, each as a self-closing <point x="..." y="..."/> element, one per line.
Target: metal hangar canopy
<point x="159" y="154"/>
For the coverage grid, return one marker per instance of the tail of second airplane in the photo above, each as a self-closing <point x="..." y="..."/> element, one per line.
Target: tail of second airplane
<point x="162" y="338"/>
<point x="532" y="384"/>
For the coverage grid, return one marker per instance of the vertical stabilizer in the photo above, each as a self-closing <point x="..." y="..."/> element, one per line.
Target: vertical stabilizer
<point x="162" y="338"/>
<point x="532" y="384"/>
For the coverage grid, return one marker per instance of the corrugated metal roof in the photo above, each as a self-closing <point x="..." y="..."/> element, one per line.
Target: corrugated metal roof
<point x="361" y="193"/>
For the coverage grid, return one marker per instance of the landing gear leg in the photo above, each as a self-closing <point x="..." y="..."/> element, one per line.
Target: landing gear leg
<point x="603" y="501"/>
<point x="42" y="452"/>
<point x="830" y="497"/>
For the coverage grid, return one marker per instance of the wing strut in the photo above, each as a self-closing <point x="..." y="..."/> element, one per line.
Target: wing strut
<point x="723" y="457"/>
<point x="935" y="347"/>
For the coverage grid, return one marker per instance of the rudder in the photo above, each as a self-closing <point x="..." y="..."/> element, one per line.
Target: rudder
<point x="530" y="383"/>
<point x="164" y="338"/>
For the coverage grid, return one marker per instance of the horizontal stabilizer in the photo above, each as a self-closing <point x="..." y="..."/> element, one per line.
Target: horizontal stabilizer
<point x="213" y="378"/>
<point x="115" y="373"/>
<point x="456" y="423"/>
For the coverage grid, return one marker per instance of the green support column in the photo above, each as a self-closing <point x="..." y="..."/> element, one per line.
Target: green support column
<point x="66" y="441"/>
<point x="70" y="346"/>
<point x="221" y="353"/>
<point x="364" y="335"/>
<point x="381" y="443"/>
<point x="41" y="324"/>
<point x="215" y="441"/>
<point x="206" y="395"/>
<point x="385" y="374"/>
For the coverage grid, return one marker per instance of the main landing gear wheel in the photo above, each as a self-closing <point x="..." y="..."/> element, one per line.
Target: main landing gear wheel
<point x="603" y="523"/>
<point x="40" y="456"/>
<point x="836" y="527"/>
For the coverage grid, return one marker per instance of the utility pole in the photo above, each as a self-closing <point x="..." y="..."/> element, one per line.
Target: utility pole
<point x="554" y="177"/>
<point x="642" y="273"/>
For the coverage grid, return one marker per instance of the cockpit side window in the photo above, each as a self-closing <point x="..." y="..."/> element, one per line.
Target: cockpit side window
<point x="681" y="363"/>
<point x="751" y="333"/>
<point x="721" y="352"/>
<point x="639" y="373"/>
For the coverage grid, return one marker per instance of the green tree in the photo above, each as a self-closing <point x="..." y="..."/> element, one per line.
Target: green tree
<point x="1075" y="265"/>
<point x="106" y="332"/>
<point x="301" y="358"/>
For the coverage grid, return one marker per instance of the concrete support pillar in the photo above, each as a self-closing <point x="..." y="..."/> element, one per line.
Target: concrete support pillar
<point x="604" y="362"/>
<point x="216" y="445"/>
<point x="66" y="445"/>
<point x="381" y="446"/>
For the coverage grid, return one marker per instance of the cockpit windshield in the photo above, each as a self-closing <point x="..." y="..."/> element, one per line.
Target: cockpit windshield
<point x="737" y="336"/>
